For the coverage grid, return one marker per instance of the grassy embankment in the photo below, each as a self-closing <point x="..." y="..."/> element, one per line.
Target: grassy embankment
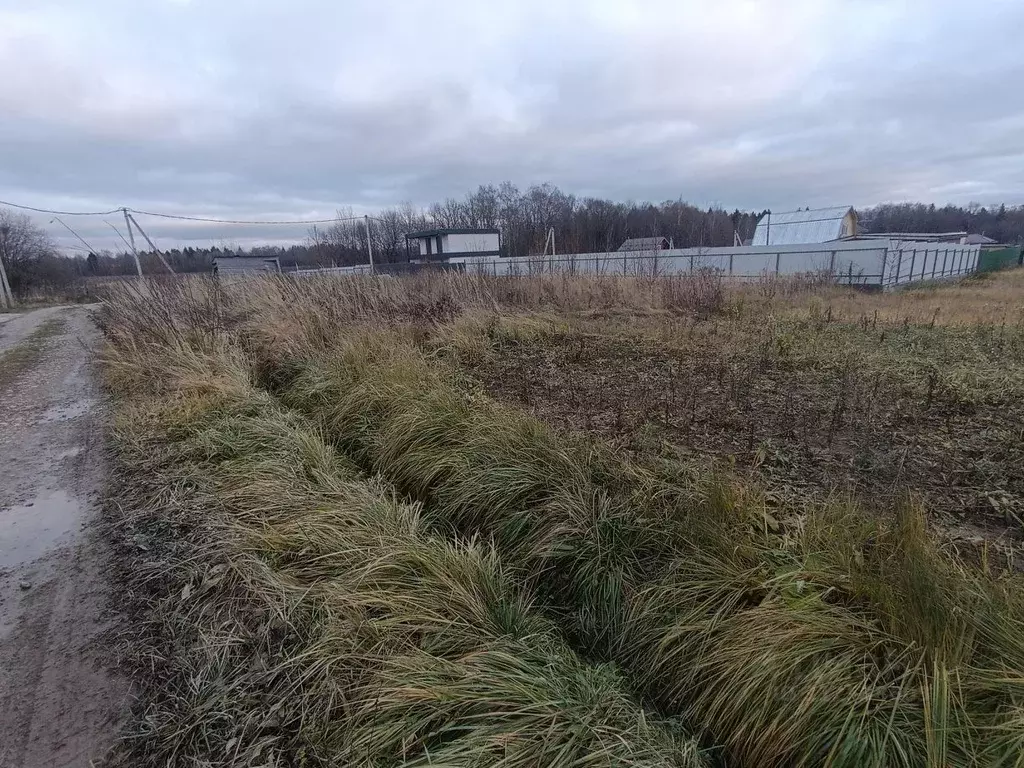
<point x="347" y="553"/>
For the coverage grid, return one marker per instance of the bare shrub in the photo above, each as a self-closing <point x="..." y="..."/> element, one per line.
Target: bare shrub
<point x="702" y="292"/>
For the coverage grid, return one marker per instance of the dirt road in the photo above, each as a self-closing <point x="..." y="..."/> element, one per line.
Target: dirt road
<point x="59" y="699"/>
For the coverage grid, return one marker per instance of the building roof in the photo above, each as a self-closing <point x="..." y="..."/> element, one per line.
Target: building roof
<point x="918" y="237"/>
<point x="644" y="244"/>
<point x="818" y="225"/>
<point x="436" y="232"/>
<point x="241" y="264"/>
<point x="979" y="240"/>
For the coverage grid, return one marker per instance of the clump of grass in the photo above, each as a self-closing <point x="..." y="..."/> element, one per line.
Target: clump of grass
<point x="293" y="611"/>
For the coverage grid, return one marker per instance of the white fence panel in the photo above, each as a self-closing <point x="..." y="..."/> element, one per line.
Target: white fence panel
<point x="881" y="263"/>
<point x="908" y="262"/>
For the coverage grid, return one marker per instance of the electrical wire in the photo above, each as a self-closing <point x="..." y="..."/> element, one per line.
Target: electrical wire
<point x="58" y="213"/>
<point x="69" y="229"/>
<point x="240" y="221"/>
<point x="181" y="217"/>
<point x="127" y="244"/>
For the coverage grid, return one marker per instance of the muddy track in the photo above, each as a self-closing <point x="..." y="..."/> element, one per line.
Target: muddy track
<point x="59" y="697"/>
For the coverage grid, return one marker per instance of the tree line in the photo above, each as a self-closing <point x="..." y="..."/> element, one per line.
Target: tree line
<point x="580" y="224"/>
<point x="1003" y="223"/>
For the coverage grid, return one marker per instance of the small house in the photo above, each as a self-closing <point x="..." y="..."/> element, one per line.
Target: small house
<point x="443" y="244"/>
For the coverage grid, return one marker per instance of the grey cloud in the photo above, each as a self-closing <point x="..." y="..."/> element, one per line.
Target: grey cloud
<point x="242" y="110"/>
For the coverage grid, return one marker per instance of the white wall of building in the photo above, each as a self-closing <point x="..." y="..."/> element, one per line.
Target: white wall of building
<point x="474" y="243"/>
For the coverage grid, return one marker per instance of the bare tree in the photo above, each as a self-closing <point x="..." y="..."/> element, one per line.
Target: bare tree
<point x="450" y="214"/>
<point x="29" y="254"/>
<point x="341" y="243"/>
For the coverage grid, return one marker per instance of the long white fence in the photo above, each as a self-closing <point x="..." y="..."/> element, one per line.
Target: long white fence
<point x="883" y="263"/>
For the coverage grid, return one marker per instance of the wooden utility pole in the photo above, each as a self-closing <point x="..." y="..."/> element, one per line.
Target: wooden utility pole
<point x="369" y="242"/>
<point x="550" y="240"/>
<point x="5" y="287"/>
<point x="151" y="246"/>
<point x="131" y="237"/>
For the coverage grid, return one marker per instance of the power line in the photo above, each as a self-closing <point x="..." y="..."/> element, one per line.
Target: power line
<point x="69" y="229"/>
<point x="182" y="217"/>
<point x="58" y="213"/>
<point x="240" y="221"/>
<point x="118" y="232"/>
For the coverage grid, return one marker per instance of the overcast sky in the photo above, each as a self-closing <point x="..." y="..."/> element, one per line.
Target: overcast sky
<point x="293" y="109"/>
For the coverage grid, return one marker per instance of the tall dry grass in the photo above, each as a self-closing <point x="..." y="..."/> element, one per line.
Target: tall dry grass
<point x="849" y="641"/>
<point x="292" y="611"/>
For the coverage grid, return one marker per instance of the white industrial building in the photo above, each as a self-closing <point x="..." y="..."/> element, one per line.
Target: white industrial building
<point x="444" y="244"/>
<point x="807" y="226"/>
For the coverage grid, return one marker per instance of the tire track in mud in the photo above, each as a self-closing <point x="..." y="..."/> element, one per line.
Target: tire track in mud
<point x="60" y="694"/>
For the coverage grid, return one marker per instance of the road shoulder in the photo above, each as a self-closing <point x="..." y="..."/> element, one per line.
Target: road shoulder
<point x="60" y="694"/>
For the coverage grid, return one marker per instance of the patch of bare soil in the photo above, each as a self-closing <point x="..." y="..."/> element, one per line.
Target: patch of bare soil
<point x="803" y="429"/>
<point x="60" y="694"/>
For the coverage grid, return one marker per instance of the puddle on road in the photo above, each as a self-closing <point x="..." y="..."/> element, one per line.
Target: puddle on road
<point x="29" y="532"/>
<point x="66" y="412"/>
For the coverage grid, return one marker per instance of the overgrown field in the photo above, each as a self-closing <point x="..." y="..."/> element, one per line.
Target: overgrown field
<point x="862" y="395"/>
<point x="569" y="521"/>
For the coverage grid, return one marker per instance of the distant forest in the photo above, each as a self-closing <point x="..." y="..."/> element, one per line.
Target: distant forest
<point x="524" y="217"/>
